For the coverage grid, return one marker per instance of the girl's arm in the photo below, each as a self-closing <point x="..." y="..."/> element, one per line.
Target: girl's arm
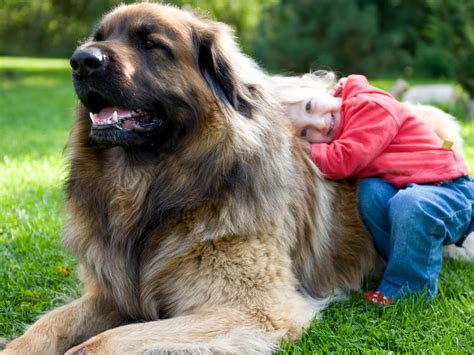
<point x="367" y="131"/>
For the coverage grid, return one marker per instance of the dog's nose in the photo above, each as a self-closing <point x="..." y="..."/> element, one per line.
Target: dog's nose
<point x="87" y="61"/>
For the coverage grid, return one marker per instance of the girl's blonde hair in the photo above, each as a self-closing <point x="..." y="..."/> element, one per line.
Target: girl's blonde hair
<point x="293" y="89"/>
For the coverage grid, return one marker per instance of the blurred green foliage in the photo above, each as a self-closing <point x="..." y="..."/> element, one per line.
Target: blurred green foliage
<point x="427" y="38"/>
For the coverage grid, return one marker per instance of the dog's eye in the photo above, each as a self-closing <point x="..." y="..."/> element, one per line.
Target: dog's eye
<point x="149" y="44"/>
<point x="308" y="107"/>
<point x="98" y="37"/>
<point x="157" y="44"/>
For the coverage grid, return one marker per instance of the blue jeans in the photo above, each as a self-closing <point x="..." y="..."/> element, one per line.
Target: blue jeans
<point x="409" y="227"/>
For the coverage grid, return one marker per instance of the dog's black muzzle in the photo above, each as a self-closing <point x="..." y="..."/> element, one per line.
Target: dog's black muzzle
<point x="89" y="61"/>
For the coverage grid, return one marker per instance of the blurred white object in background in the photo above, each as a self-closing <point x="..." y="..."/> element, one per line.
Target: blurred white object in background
<point x="432" y="93"/>
<point x="466" y="252"/>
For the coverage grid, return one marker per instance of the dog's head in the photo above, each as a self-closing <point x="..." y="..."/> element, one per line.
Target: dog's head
<point x="150" y="73"/>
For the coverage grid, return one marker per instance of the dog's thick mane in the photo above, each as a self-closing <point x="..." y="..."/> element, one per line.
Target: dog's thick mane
<point x="255" y="170"/>
<point x="321" y="249"/>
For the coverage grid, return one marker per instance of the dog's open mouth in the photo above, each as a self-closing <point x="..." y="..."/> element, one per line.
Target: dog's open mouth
<point x="116" y="124"/>
<point x="105" y="114"/>
<point x="135" y="120"/>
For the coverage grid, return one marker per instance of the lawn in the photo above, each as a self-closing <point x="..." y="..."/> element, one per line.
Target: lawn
<point x="36" y="274"/>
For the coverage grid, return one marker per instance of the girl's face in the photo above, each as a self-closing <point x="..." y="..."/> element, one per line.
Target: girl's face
<point x="317" y="118"/>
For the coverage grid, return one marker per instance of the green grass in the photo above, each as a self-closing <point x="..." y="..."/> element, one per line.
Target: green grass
<point x="36" y="274"/>
<point x="36" y="106"/>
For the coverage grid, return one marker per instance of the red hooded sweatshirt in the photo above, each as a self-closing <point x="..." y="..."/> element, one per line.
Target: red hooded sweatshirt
<point x="379" y="137"/>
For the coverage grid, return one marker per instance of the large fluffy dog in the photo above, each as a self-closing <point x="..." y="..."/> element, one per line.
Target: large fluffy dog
<point x="199" y="222"/>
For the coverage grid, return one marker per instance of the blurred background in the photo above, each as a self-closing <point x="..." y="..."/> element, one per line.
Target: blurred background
<point x="380" y="38"/>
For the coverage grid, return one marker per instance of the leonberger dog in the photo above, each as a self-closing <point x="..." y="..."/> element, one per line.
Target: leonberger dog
<point x="200" y="223"/>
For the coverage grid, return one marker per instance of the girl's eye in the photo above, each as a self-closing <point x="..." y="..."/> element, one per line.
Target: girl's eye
<point x="308" y="107"/>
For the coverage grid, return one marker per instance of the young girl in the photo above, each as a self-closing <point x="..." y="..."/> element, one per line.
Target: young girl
<point x="415" y="195"/>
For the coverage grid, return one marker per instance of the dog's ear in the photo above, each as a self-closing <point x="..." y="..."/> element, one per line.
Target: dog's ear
<point x="217" y="68"/>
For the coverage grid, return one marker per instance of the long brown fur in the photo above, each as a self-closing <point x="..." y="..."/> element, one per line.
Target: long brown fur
<point x="221" y="243"/>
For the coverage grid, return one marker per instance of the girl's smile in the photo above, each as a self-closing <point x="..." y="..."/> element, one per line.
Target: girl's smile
<point x="317" y="117"/>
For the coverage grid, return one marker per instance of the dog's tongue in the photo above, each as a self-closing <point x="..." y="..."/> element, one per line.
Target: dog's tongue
<point x="106" y="115"/>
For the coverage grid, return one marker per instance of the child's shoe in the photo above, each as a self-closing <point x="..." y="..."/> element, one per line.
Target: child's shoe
<point x="377" y="297"/>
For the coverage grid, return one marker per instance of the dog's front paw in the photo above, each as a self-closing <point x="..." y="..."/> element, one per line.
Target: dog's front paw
<point x="109" y="342"/>
<point x="95" y="345"/>
<point x="5" y="351"/>
<point x="79" y="351"/>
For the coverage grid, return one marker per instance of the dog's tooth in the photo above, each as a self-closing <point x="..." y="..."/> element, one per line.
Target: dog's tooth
<point x="115" y="117"/>
<point x="91" y="115"/>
